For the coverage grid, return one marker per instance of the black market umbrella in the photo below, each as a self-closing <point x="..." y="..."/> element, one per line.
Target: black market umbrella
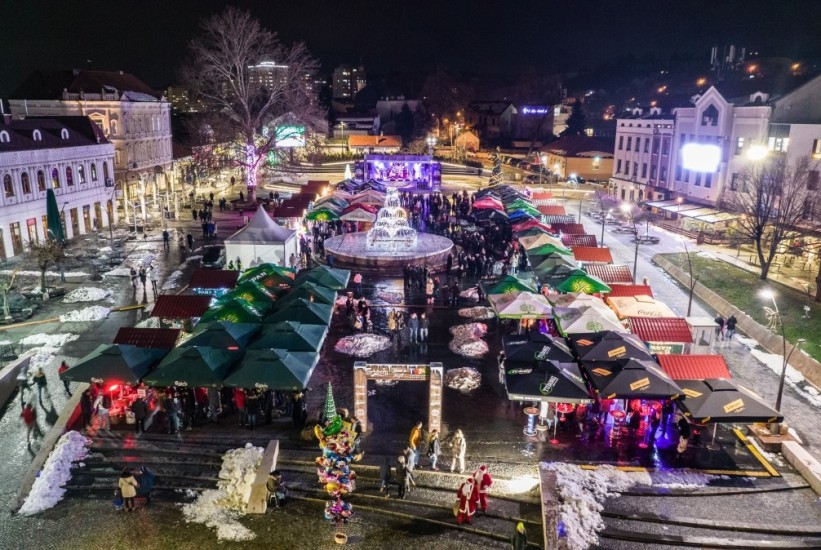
<point x="546" y="381"/>
<point x="275" y="369"/>
<point x="487" y="191"/>
<point x="302" y="311"/>
<point x="630" y="378"/>
<point x="522" y="348"/>
<point x="291" y="336"/>
<point x="222" y="335"/>
<point x="557" y="270"/>
<point x="114" y="362"/>
<point x="490" y="216"/>
<point x="309" y="291"/>
<point x="335" y="279"/>
<point x="608" y="346"/>
<point x="196" y="366"/>
<point x="53" y="218"/>
<point x="719" y="400"/>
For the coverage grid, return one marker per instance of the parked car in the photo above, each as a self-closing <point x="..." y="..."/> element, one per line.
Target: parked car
<point x="213" y="258"/>
<point x="533" y="179"/>
<point x="612" y="220"/>
<point x="646" y="239"/>
<point x="626" y="228"/>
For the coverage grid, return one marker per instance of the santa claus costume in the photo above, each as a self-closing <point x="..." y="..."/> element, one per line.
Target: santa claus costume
<point x="468" y="498"/>
<point x="483" y="481"/>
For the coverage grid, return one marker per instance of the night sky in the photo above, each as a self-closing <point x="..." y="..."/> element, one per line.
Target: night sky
<point x="148" y="38"/>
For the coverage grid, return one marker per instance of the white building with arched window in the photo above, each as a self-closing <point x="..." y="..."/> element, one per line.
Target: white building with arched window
<point x="68" y="154"/>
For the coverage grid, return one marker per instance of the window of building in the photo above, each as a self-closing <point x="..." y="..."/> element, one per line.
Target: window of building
<point x="708" y="180"/>
<point x="644" y="170"/>
<point x="812" y="180"/>
<point x="653" y="172"/>
<point x="105" y="170"/>
<point x="8" y="186"/>
<point x="25" y="183"/>
<point x="638" y="144"/>
<point x="663" y="173"/>
<point x="665" y="146"/>
<point x="682" y="139"/>
<point x="113" y="127"/>
<point x="678" y="172"/>
<point x="698" y="179"/>
<point x="36" y="135"/>
<point x="629" y="143"/>
<point x="93" y="171"/>
<point x="63" y="134"/>
<point x="621" y="143"/>
<point x="734" y="182"/>
<point x="656" y="142"/>
<point x="686" y="176"/>
<point x="618" y="166"/>
<point x="69" y="176"/>
<point x="635" y="169"/>
<point x="807" y="214"/>
<point x="627" y="167"/>
<point x="117" y="157"/>
<point x="739" y="145"/>
<point x="81" y="174"/>
<point x="4" y="137"/>
<point x="779" y="145"/>
<point x="709" y="116"/>
<point x="647" y="145"/>
<point x="41" y="181"/>
<point x="55" y="178"/>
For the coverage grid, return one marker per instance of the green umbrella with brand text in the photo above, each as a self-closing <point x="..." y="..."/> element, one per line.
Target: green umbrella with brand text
<point x="53" y="218"/>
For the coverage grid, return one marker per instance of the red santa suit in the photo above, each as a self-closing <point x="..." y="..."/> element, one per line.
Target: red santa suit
<point x="468" y="498"/>
<point x="483" y="482"/>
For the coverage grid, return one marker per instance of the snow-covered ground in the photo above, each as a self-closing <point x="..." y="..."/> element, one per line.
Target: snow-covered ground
<point x="67" y="274"/>
<point x="775" y="363"/>
<point x="85" y="294"/>
<point x="362" y="345"/>
<point x="467" y="340"/>
<point x="48" y="489"/>
<point x="220" y="508"/>
<point x="478" y="312"/>
<point x="92" y="313"/>
<point x="464" y="379"/>
<point x="49" y="340"/>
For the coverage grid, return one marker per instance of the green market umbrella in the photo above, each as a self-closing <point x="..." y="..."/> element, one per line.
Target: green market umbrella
<point x="509" y="284"/>
<point x="234" y="310"/>
<point x="322" y="215"/>
<point x="719" y="400"/>
<point x="555" y="266"/>
<point x="517" y="204"/>
<point x="532" y="232"/>
<point x="252" y="293"/>
<point x="197" y="366"/>
<point x="520" y="305"/>
<point x="222" y="335"/>
<point x="114" y="362"/>
<point x="336" y="279"/>
<point x="53" y="218"/>
<point x="582" y="283"/>
<point x="309" y="291"/>
<point x="262" y="271"/>
<point x="548" y="249"/>
<point x="275" y="369"/>
<point x="292" y="336"/>
<point x="302" y="311"/>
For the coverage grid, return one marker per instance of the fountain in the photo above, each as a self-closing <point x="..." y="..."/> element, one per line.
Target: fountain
<point x="390" y="244"/>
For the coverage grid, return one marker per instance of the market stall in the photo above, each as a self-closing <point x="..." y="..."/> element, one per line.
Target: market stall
<point x="291" y="336"/>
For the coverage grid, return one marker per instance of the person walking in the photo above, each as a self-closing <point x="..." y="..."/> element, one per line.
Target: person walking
<point x="252" y="408"/>
<point x="143" y="278"/>
<point x="519" y="540"/>
<point x="413" y="325"/>
<point x="140" y="410"/>
<point x="429" y="291"/>
<point x="384" y="475"/>
<point x="424" y="325"/>
<point x="152" y="275"/>
<point x="128" y="487"/>
<point x="41" y="382"/>
<point x="719" y="327"/>
<point x="190" y="240"/>
<point x="730" y="325"/>
<point x="23" y="382"/>
<point x="146" y="484"/>
<point x="683" y="434"/>
<point x="434" y="449"/>
<point x="483" y="482"/>
<point x="134" y="276"/>
<point x="60" y="370"/>
<point x="415" y="441"/>
<point x="239" y="401"/>
<point x="357" y="282"/>
<point x="103" y="404"/>
<point x="404" y="477"/>
<point x="468" y="498"/>
<point x="166" y="239"/>
<point x="86" y="407"/>
<point x="459" y="448"/>
<point x="29" y="416"/>
<point x="172" y="412"/>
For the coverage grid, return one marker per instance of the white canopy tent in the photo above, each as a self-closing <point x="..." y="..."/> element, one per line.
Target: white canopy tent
<point x="262" y="240"/>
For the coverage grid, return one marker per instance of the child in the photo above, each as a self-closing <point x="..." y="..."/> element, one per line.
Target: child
<point x="118" y="501"/>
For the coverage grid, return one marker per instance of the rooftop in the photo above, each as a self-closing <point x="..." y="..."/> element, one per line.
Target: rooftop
<point x="610" y="273"/>
<point x="592" y="254"/>
<point x="172" y="306"/>
<point x="54" y="133"/>
<point x="694" y="367"/>
<point x="661" y="329"/>
<point x="154" y="338"/>
<point x="580" y="146"/>
<point x="53" y="85"/>
<point x="617" y="291"/>
<point x="569" y="239"/>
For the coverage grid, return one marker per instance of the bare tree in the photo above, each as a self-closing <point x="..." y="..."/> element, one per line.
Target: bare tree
<point x="45" y="253"/>
<point x="242" y="102"/>
<point x="770" y="203"/>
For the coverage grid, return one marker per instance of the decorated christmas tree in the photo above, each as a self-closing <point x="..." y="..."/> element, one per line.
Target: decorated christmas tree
<point x="496" y="173"/>
<point x="329" y="413"/>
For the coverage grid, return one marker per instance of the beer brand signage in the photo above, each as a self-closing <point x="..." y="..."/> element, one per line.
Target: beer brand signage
<point x="641" y="384"/>
<point x="546" y="388"/>
<point x="601" y="371"/>
<point x="617" y="352"/>
<point x="691" y="393"/>
<point x="397" y="372"/>
<point x="734" y="406"/>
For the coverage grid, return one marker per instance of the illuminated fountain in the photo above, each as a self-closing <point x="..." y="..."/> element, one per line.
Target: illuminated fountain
<point x="390" y="244"/>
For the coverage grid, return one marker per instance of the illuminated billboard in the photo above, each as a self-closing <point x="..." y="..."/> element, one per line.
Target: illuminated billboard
<point x="701" y="157"/>
<point x="290" y="136"/>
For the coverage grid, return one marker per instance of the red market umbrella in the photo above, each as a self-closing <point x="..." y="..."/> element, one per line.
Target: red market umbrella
<point x="530" y="224"/>
<point x="488" y="202"/>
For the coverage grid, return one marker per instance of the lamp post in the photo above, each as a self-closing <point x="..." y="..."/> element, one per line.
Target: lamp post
<point x="627" y="211"/>
<point x="769" y="294"/>
<point x="603" y="218"/>
<point x="431" y="141"/>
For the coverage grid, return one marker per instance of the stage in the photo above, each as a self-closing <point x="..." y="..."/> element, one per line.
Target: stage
<point x="406" y="172"/>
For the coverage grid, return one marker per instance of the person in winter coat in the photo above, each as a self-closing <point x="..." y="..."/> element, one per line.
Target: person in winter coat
<point x="60" y="370"/>
<point x="413" y="325"/>
<point x="41" y="382"/>
<point x="720" y="322"/>
<point x="730" y="325"/>
<point x="128" y="487"/>
<point x="459" y="448"/>
<point x="392" y="325"/>
<point x="384" y="475"/>
<point x="434" y="449"/>
<point x="239" y="401"/>
<point x="483" y="483"/>
<point x="146" y="484"/>
<point x="29" y="416"/>
<point x="519" y="540"/>
<point x="683" y="434"/>
<point x="172" y="410"/>
<point x="404" y="477"/>
<point x="429" y="290"/>
<point x="140" y="410"/>
<point x="86" y="408"/>
<point x="424" y="325"/>
<point x="468" y="497"/>
<point x="103" y="403"/>
<point x="415" y="442"/>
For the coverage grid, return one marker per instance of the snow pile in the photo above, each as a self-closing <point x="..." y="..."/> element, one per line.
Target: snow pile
<point x="706" y="255"/>
<point x="478" y="312"/>
<point x="119" y="272"/>
<point x="775" y="363"/>
<point x="465" y="379"/>
<point x="48" y="489"/>
<point x="220" y="508"/>
<point x="172" y="281"/>
<point x="682" y="479"/>
<point x="470" y="330"/>
<point x="390" y="297"/>
<point x="49" y="340"/>
<point x="362" y="345"/>
<point x="53" y="274"/>
<point x="150" y="322"/>
<point x="92" y="313"/>
<point x="467" y="340"/>
<point x="85" y="294"/>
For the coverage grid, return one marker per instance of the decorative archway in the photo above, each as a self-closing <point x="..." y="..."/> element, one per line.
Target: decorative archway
<point x="432" y="372"/>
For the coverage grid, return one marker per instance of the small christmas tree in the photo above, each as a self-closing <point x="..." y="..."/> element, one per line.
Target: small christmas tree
<point x="496" y="174"/>
<point x="329" y="412"/>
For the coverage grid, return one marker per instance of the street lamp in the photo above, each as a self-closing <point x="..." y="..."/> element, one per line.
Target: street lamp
<point x="627" y="211"/>
<point x="603" y="218"/>
<point x="757" y="152"/>
<point x="691" y="285"/>
<point x="431" y="141"/>
<point x="769" y="294"/>
<point x="679" y="200"/>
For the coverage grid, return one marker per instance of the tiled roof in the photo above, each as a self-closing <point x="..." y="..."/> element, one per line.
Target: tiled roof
<point x="51" y="84"/>
<point x="172" y="306"/>
<point x="375" y="141"/>
<point x="560" y="220"/>
<point x="213" y="278"/>
<point x="580" y="146"/>
<point x="610" y="273"/>
<point x="592" y="254"/>
<point x="552" y="210"/>
<point x="155" y="338"/>
<point x="694" y="367"/>
<point x="617" y="291"/>
<point x="572" y="228"/>
<point x="661" y="329"/>
<point x="81" y="132"/>
<point x="569" y="239"/>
